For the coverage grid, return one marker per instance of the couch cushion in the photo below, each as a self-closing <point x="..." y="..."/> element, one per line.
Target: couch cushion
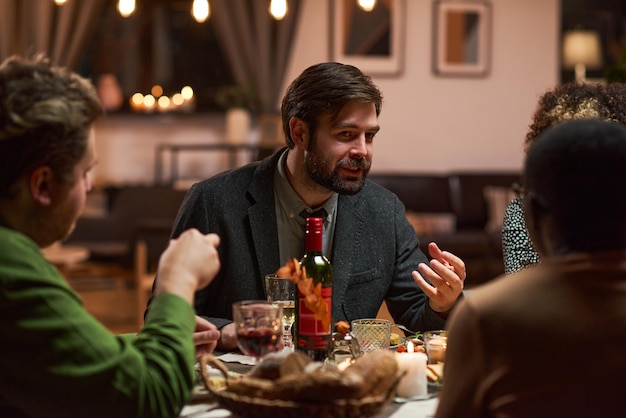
<point x="419" y="192"/>
<point x="498" y="198"/>
<point x="465" y="244"/>
<point x="431" y="223"/>
<point x="132" y="208"/>
<point x="468" y="199"/>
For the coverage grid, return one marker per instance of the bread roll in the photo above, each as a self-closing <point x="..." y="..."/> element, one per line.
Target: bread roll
<point x="378" y="369"/>
<point x="296" y="378"/>
<point x="434" y="372"/>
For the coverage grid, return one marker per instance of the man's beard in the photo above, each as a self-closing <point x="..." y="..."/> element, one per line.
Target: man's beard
<point x="318" y="169"/>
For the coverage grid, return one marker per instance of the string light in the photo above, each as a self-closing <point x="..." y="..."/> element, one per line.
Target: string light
<point x="60" y="2"/>
<point x="156" y="100"/>
<point x="200" y="10"/>
<point x="126" y="7"/>
<point x="367" y="5"/>
<point x="187" y="92"/>
<point x="278" y="9"/>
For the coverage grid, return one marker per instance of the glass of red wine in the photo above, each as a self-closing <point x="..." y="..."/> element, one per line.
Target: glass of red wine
<point x="259" y="325"/>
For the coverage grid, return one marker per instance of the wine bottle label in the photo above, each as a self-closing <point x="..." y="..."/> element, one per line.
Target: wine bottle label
<point x="312" y="334"/>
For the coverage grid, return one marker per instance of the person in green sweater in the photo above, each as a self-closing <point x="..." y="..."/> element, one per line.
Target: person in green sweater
<point x="57" y="359"/>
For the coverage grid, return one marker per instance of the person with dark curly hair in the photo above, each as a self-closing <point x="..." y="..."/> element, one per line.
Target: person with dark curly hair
<point x="565" y="102"/>
<point x="549" y="340"/>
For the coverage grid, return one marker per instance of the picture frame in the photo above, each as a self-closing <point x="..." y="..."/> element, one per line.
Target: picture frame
<point x="372" y="40"/>
<point x="461" y="38"/>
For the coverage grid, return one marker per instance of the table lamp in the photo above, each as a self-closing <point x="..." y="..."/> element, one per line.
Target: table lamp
<point x="581" y="50"/>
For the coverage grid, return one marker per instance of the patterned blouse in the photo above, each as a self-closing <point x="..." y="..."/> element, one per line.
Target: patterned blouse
<point x="517" y="247"/>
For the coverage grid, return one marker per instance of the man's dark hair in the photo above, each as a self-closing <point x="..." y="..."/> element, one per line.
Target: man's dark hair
<point x="323" y="90"/>
<point x="576" y="172"/>
<point x="45" y="116"/>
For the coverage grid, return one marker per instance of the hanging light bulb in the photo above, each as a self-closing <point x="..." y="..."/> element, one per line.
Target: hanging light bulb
<point x="60" y="2"/>
<point x="367" y="5"/>
<point x="200" y="10"/>
<point x="126" y="7"/>
<point x="278" y="9"/>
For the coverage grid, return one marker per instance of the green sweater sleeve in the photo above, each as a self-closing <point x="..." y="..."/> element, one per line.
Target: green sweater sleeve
<point x="60" y="361"/>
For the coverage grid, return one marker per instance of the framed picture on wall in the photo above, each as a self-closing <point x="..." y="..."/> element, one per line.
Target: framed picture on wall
<point x="461" y="38"/>
<point x="371" y="39"/>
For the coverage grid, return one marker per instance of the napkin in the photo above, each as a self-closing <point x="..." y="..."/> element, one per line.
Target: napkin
<point x="237" y="358"/>
<point x="205" y="410"/>
<point x="417" y="409"/>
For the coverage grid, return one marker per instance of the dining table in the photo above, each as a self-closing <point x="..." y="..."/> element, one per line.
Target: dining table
<point x="204" y="405"/>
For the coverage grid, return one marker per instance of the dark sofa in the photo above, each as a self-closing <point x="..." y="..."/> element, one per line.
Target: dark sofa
<point x="131" y="213"/>
<point x="456" y="210"/>
<point x="460" y="211"/>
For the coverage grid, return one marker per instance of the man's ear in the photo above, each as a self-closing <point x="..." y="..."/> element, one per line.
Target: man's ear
<point x="40" y="182"/>
<point x="299" y="132"/>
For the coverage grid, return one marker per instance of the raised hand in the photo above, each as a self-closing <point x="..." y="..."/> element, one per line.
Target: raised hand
<point x="442" y="280"/>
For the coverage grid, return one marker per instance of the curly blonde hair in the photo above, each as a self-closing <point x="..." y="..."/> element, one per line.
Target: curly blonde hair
<point x="578" y="101"/>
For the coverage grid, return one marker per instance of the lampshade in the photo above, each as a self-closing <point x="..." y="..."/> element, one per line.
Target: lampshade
<point x="582" y="47"/>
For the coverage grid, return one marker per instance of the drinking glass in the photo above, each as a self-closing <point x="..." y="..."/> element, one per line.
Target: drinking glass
<point x="259" y="327"/>
<point x="372" y="333"/>
<point x="282" y="291"/>
<point x="436" y="343"/>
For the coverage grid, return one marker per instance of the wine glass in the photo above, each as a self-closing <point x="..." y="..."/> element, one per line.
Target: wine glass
<point x="259" y="326"/>
<point x="282" y="291"/>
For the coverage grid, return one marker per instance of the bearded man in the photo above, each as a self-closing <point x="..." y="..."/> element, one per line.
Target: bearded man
<point x="330" y="118"/>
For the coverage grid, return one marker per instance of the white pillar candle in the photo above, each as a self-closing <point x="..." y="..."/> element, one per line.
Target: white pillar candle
<point x="413" y="365"/>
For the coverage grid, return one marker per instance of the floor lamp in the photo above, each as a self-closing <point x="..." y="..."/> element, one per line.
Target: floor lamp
<point x="581" y="51"/>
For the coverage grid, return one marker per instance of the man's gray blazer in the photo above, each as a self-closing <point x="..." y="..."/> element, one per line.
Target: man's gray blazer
<point x="375" y="249"/>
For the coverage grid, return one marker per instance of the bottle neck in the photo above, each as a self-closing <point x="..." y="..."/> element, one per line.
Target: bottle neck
<point x="314" y="234"/>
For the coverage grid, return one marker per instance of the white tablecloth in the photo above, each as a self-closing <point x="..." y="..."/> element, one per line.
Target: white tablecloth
<point x="417" y="409"/>
<point x="203" y="406"/>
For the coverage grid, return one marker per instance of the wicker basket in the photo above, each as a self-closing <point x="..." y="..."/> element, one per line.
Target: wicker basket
<point x="248" y="407"/>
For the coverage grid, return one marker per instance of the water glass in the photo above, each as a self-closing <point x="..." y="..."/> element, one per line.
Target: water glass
<point x="436" y="343"/>
<point x="282" y="291"/>
<point x="372" y="333"/>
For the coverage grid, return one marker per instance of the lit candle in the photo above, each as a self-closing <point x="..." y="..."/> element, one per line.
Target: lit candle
<point x="413" y="365"/>
<point x="136" y="102"/>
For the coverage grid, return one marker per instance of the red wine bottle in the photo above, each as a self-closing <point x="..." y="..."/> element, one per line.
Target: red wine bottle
<point x="312" y="335"/>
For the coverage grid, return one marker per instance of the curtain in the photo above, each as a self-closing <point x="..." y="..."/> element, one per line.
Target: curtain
<point x="40" y="26"/>
<point x="256" y="45"/>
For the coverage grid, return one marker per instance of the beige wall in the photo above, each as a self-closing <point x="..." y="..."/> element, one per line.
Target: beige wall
<point x="438" y="124"/>
<point x="428" y="123"/>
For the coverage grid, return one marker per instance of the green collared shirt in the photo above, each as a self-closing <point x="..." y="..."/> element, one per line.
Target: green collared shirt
<point x="60" y="361"/>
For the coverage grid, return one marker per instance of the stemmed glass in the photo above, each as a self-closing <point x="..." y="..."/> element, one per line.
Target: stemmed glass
<point x="282" y="291"/>
<point x="259" y="327"/>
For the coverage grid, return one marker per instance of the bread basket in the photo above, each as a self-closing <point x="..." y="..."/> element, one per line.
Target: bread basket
<point x="249" y="407"/>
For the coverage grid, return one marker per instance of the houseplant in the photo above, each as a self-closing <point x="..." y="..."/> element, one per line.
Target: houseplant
<point x="240" y="102"/>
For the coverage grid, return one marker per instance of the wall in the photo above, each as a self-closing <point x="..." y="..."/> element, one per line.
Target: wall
<point x="438" y="124"/>
<point x="126" y="147"/>
<point x="428" y="123"/>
